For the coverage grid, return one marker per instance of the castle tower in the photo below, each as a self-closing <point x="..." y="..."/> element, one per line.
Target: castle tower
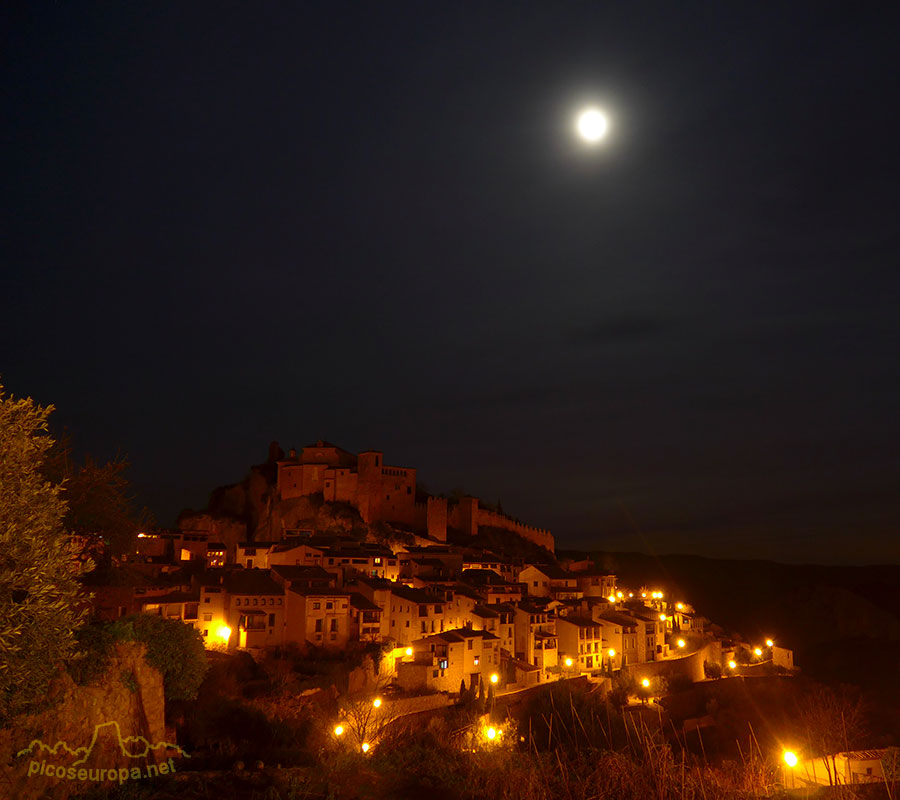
<point x="368" y="494"/>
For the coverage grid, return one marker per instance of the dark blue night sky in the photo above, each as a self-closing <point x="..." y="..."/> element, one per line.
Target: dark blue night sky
<point x="227" y="223"/>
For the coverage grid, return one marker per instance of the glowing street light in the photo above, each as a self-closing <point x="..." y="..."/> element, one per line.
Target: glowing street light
<point x="732" y="665"/>
<point x="568" y="662"/>
<point x="790" y="758"/>
<point x="365" y="747"/>
<point x="377" y="702"/>
<point x="679" y="606"/>
<point x="645" y="683"/>
<point x="409" y="651"/>
<point x="612" y="653"/>
<point x="757" y="652"/>
<point x="223" y="632"/>
<point x="770" y="643"/>
<point x="681" y="643"/>
<point x="338" y="730"/>
<point x="491" y="733"/>
<point x="611" y="598"/>
<point x="495" y="677"/>
<point x="662" y="617"/>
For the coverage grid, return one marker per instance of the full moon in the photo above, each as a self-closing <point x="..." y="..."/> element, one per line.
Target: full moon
<point x="592" y="125"/>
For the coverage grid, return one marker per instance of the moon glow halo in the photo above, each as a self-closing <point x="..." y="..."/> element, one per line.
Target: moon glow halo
<point x="592" y="125"/>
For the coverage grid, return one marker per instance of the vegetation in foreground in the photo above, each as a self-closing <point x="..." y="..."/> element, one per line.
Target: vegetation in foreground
<point x="564" y="742"/>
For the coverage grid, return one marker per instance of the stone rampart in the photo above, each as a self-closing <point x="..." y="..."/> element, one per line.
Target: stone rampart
<point x="494" y="519"/>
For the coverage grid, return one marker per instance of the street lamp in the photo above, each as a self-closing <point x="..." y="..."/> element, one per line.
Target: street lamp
<point x="790" y="758"/>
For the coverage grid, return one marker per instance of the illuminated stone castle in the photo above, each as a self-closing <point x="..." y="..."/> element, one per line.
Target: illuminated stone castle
<point x="384" y="493"/>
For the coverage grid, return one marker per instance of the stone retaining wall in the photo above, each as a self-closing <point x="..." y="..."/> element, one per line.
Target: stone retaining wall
<point x="126" y="701"/>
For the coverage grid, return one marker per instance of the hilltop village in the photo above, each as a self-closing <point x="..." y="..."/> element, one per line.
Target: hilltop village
<point x="329" y="551"/>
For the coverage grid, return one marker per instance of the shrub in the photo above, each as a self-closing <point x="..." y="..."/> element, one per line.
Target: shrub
<point x="712" y="670"/>
<point x="175" y="649"/>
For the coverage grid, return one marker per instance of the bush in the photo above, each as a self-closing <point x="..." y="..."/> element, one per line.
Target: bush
<point x="712" y="670"/>
<point x="175" y="649"/>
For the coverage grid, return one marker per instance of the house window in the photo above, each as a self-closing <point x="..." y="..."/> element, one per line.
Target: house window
<point x="443" y="663"/>
<point x="476" y="661"/>
<point x="334" y="625"/>
<point x="237" y="601"/>
<point x="316" y="606"/>
<point x="255" y="601"/>
<point x="435" y="673"/>
<point x="206" y="599"/>
<point x="469" y="645"/>
<point x="207" y="617"/>
<point x="318" y="626"/>
<point x="329" y="606"/>
<point x="271" y="620"/>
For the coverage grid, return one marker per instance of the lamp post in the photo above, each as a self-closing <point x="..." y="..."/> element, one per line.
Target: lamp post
<point x="790" y="758"/>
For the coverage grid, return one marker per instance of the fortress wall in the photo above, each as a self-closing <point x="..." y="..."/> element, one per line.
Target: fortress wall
<point x="494" y="519"/>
